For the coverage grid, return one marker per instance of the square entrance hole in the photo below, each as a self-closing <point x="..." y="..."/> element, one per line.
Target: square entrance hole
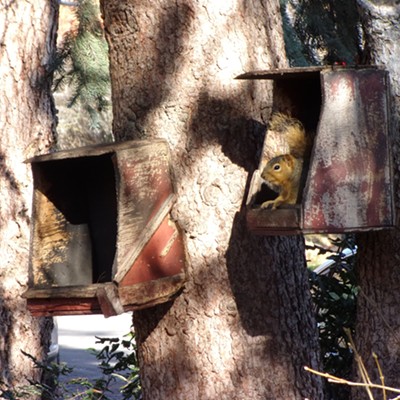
<point x="75" y="221"/>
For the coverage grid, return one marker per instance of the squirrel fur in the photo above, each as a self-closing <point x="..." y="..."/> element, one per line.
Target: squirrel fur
<point x="284" y="171"/>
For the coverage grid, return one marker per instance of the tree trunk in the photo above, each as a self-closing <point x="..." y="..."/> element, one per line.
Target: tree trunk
<point x="378" y="313"/>
<point x="26" y="125"/>
<point x="243" y="327"/>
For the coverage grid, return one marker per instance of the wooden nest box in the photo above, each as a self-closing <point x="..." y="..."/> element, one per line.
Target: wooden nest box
<point x="102" y="238"/>
<point x="347" y="185"/>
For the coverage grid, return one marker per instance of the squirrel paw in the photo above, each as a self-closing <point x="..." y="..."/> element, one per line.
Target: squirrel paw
<point x="270" y="204"/>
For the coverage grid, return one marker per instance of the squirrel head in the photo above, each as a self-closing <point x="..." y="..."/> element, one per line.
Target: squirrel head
<point x="279" y="170"/>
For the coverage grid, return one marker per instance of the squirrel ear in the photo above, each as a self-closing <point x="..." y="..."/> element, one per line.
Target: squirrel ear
<point x="290" y="160"/>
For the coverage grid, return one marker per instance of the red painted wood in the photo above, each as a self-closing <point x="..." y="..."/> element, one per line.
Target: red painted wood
<point x="164" y="255"/>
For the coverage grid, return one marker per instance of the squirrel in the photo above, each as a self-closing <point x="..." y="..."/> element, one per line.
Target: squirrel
<point x="284" y="171"/>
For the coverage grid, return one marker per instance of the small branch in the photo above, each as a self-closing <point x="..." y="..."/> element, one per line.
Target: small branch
<point x="360" y="364"/>
<point x="335" y="379"/>
<point x="96" y="391"/>
<point x="381" y="376"/>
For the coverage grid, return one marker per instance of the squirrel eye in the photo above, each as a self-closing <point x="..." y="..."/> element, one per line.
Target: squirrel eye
<point x="277" y="167"/>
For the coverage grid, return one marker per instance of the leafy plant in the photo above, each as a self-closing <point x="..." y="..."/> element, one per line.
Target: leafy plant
<point x="81" y="62"/>
<point x="334" y="292"/>
<point x="321" y="31"/>
<point x="118" y="360"/>
<point x="48" y="387"/>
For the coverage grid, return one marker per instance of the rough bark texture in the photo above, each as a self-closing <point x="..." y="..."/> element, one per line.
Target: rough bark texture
<point x="242" y="328"/>
<point x="378" y="316"/>
<point x="27" y="32"/>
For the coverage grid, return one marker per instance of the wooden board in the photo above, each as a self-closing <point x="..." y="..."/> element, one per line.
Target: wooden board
<point x="101" y="299"/>
<point x="145" y="196"/>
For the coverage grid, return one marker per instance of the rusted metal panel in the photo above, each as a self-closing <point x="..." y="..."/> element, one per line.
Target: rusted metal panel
<point x="349" y="181"/>
<point x="100" y="217"/>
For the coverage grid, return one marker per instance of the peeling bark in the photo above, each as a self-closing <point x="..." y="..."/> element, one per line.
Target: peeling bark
<point x="242" y="328"/>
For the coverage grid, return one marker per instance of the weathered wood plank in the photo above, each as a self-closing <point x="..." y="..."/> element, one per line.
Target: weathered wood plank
<point x="108" y="298"/>
<point x="65" y="306"/>
<point x="163" y="255"/>
<point x="145" y="196"/>
<point x="280" y="221"/>
<point x="64" y="292"/>
<point x="283" y="73"/>
<point x="101" y="298"/>
<point x="150" y="293"/>
<point x="96" y="150"/>
<point x="296" y="72"/>
<point x="142" y="238"/>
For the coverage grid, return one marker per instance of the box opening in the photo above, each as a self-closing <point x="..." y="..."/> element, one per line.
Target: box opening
<point x="300" y="97"/>
<point x="77" y="233"/>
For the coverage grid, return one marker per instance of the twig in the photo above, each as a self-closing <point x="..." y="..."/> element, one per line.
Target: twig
<point x="360" y="364"/>
<point x="335" y="379"/>
<point x="86" y="392"/>
<point x="381" y="376"/>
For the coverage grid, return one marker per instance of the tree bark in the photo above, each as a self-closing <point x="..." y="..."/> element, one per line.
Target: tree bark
<point x="27" y="31"/>
<point x="378" y="316"/>
<point x="242" y="327"/>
